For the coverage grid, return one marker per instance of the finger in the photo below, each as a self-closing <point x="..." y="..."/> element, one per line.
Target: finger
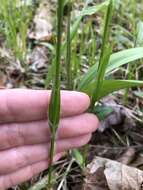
<point x="28" y="105"/>
<point x="24" y="174"/>
<point x="12" y="135"/>
<point x="16" y="158"/>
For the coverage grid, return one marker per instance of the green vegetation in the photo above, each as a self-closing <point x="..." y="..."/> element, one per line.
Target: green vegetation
<point x="54" y="107"/>
<point x="104" y="55"/>
<point x="15" y="17"/>
<point x="98" y="49"/>
<point x="94" y="81"/>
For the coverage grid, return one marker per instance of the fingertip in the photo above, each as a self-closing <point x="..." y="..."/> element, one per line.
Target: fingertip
<point x="83" y="140"/>
<point x="88" y="138"/>
<point x="93" y="120"/>
<point x="74" y="103"/>
<point x="85" y="99"/>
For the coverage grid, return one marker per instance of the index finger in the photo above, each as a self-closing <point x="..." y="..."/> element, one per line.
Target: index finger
<point x="22" y="105"/>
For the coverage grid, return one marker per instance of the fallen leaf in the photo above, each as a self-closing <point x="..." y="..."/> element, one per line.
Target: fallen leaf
<point x="115" y="175"/>
<point x="38" y="58"/>
<point x="119" y="116"/>
<point x="128" y="156"/>
<point x="42" y="23"/>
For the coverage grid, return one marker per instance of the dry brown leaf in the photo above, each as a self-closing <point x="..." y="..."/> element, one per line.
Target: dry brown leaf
<point x="113" y="176"/>
<point x="42" y="23"/>
<point x="128" y="156"/>
<point x="138" y="162"/>
<point x="120" y="116"/>
<point x="38" y="58"/>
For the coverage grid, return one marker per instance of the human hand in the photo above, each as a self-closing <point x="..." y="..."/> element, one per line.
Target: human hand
<point x="25" y="136"/>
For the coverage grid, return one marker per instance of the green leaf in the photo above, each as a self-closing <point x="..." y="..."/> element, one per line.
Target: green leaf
<point x="92" y="10"/>
<point x="139" y="40"/>
<point x="110" y="86"/>
<point x="116" y="60"/>
<point x="100" y="75"/>
<point x="78" y="157"/>
<point x="74" y="28"/>
<point x="68" y="48"/>
<point x="48" y="45"/>
<point x="102" y="111"/>
<point x="138" y="94"/>
<point x="54" y="105"/>
<point x="123" y="57"/>
<point x="87" y="11"/>
<point x="88" y="77"/>
<point x="104" y="55"/>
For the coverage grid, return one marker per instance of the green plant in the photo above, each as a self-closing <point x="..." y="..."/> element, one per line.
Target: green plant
<point x="54" y="106"/>
<point x="115" y="62"/>
<point x="99" y="80"/>
<point x="95" y="82"/>
<point x="86" y="11"/>
<point x="15" y="18"/>
<point x="97" y="75"/>
<point x="104" y="55"/>
<point x="68" y="50"/>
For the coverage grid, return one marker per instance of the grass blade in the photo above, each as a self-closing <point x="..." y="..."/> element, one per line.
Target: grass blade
<point x="139" y="40"/>
<point x="68" y="51"/>
<point x="104" y="56"/>
<point x="110" y="86"/>
<point x="116" y="60"/>
<point x="123" y="57"/>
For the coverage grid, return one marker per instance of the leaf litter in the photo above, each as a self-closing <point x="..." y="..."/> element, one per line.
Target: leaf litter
<point x="107" y="174"/>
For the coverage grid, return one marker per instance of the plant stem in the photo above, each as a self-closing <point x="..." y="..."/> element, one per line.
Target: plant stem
<point x="130" y="69"/>
<point x="51" y="155"/>
<point x="68" y="53"/>
<point x="84" y="154"/>
<point x="54" y="106"/>
<point x="104" y="58"/>
<point x="104" y="55"/>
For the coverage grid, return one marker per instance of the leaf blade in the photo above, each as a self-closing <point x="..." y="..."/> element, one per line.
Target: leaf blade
<point x="110" y="86"/>
<point x="128" y="56"/>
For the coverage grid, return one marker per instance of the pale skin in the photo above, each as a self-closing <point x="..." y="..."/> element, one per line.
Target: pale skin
<point x="25" y="136"/>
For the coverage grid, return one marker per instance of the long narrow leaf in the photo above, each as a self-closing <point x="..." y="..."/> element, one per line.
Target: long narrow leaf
<point x="104" y="56"/>
<point x="138" y="94"/>
<point x="116" y="60"/>
<point x="139" y="40"/>
<point x="68" y="49"/>
<point x="110" y="86"/>
<point x="123" y="57"/>
<point x="54" y="106"/>
<point x="92" y="10"/>
<point x="100" y="76"/>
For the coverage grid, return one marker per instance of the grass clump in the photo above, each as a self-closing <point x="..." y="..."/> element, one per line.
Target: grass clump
<point x="15" y="18"/>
